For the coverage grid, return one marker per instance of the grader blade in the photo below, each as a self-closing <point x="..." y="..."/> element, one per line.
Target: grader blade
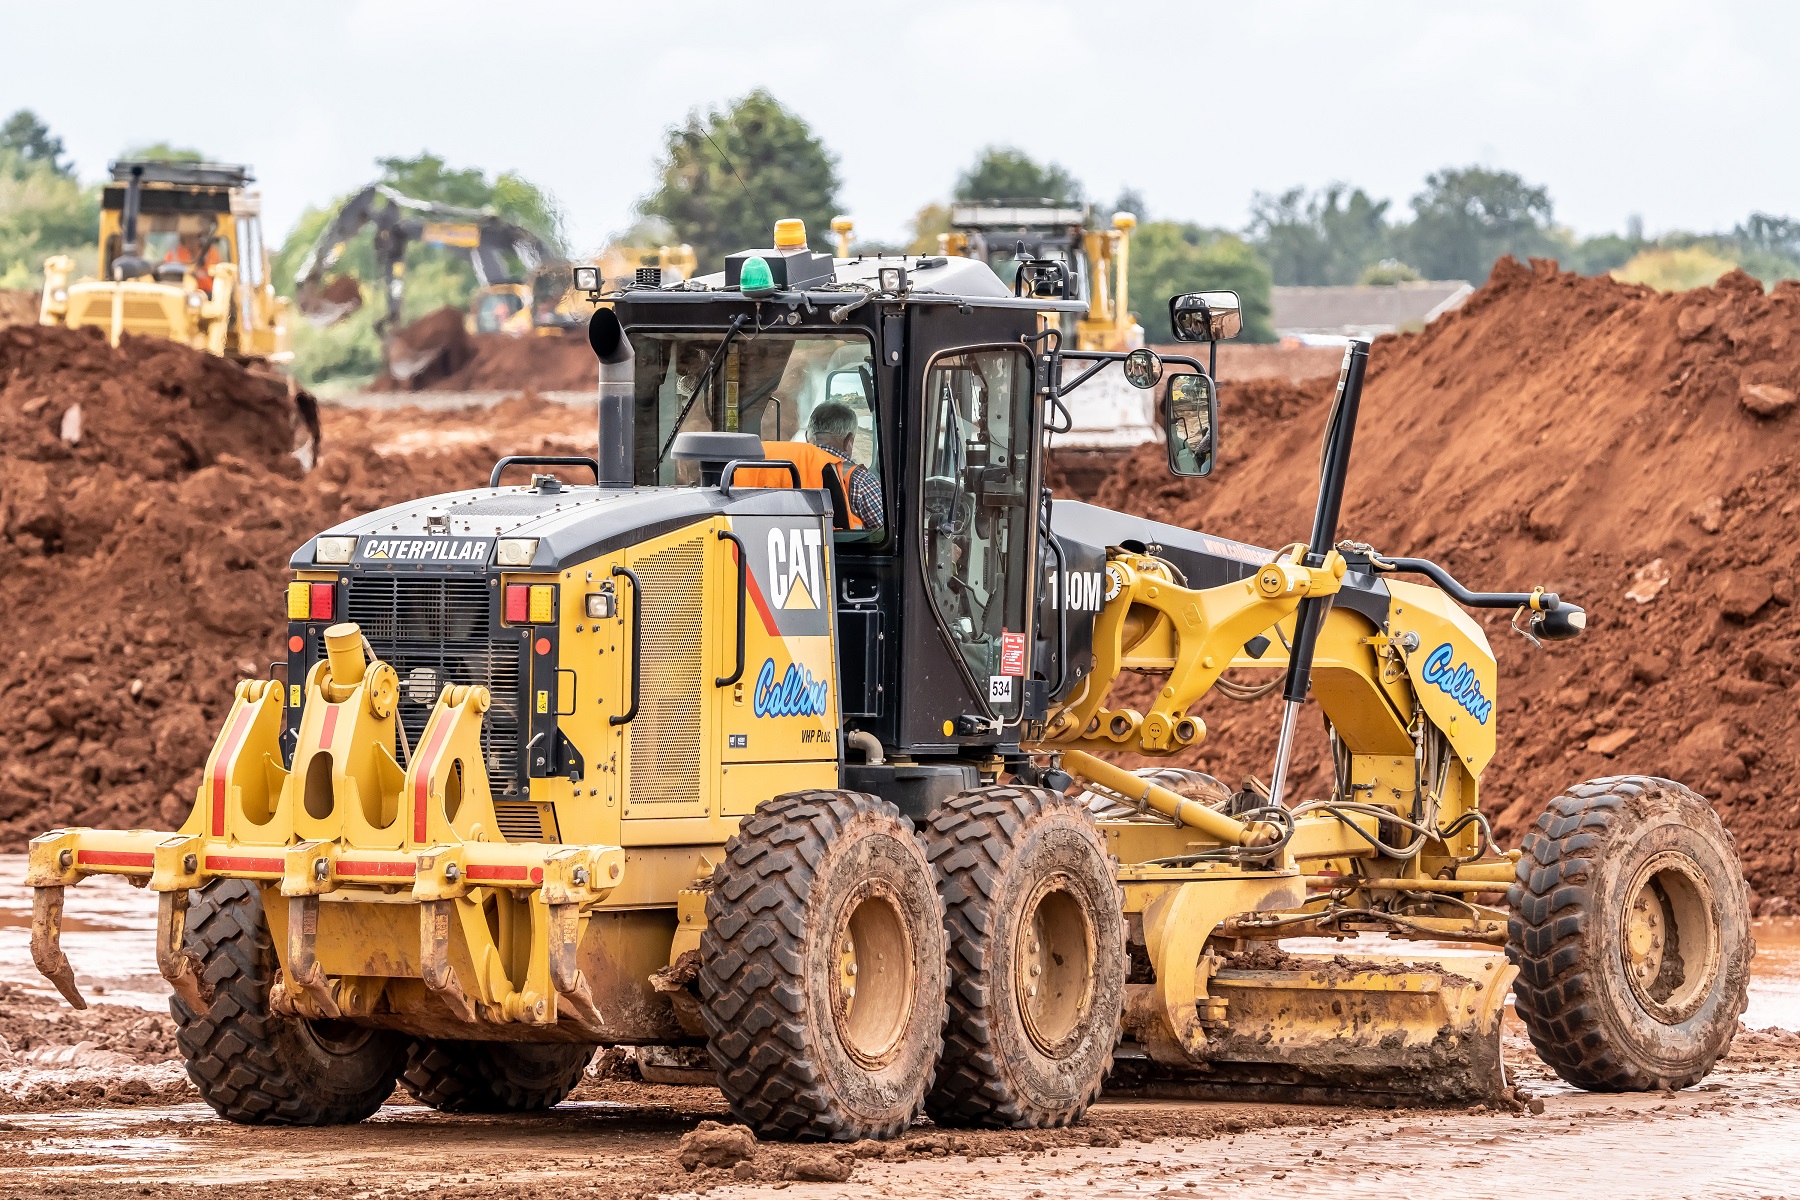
<point x="1333" y="1028"/>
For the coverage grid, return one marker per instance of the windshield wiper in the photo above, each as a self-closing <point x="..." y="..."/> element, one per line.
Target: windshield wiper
<point x="704" y="382"/>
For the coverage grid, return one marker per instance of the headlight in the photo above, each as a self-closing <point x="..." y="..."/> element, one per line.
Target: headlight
<point x="334" y="549"/>
<point x="60" y="296"/>
<point x="423" y="685"/>
<point x="196" y="299"/>
<point x="516" y="552"/>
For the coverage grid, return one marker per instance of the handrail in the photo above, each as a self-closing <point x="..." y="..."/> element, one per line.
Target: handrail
<point x="743" y="600"/>
<point x="1540" y="600"/>
<point x="543" y="460"/>
<point x="637" y="644"/>
<point x="731" y="469"/>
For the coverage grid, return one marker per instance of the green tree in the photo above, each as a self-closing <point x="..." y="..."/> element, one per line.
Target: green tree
<point x="1007" y="173"/>
<point x="30" y="142"/>
<point x="164" y="152"/>
<point x="1330" y="236"/>
<point x="1169" y="258"/>
<point x="1469" y="216"/>
<point x="44" y="210"/>
<point x="728" y="175"/>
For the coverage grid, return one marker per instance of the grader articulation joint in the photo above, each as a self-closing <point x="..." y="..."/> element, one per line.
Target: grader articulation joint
<point x="809" y="800"/>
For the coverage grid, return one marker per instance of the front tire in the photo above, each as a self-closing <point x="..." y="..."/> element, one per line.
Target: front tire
<point x="258" y="1068"/>
<point x="1630" y="926"/>
<point x="493" y="1077"/>
<point x="822" y="969"/>
<point x="1037" y="959"/>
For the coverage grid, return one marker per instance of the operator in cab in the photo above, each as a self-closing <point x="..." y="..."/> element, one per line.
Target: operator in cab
<point x="830" y="442"/>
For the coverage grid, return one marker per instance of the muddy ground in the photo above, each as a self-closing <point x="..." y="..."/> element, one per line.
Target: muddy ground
<point x="99" y="1098"/>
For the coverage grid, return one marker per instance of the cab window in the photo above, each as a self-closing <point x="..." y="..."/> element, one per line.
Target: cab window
<point x="785" y="388"/>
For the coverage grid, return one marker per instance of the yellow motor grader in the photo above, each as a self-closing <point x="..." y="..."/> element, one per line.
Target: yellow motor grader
<point x="786" y="737"/>
<point x="182" y="257"/>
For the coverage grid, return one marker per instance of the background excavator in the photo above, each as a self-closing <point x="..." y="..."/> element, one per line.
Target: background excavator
<point x="520" y="278"/>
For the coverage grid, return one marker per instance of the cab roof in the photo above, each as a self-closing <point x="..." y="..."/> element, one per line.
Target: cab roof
<point x="930" y="279"/>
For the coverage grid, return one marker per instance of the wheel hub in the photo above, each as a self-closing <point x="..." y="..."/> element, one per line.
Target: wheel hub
<point x="1053" y="967"/>
<point x="1671" y="939"/>
<point x="872" y="954"/>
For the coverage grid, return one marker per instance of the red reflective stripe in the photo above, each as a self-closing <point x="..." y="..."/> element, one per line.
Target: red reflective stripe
<point x="485" y="871"/>
<point x="426" y="767"/>
<point x="238" y="862"/>
<point x="234" y="741"/>
<point x="114" y="858"/>
<point x="331" y="712"/>
<point x="762" y="605"/>
<point x="406" y="869"/>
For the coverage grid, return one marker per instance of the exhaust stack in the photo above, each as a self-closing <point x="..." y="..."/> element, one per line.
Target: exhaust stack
<point x="618" y="399"/>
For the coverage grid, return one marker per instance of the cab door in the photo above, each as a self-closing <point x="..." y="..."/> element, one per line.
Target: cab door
<point x="978" y="521"/>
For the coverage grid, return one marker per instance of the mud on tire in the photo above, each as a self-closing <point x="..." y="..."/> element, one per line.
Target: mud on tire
<point x="1037" y="959"/>
<point x="1630" y="926"/>
<point x="252" y="1066"/>
<point x="492" y="1077"/>
<point x="822" y="969"/>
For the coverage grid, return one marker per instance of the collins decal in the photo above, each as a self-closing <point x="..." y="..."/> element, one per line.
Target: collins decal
<point x="795" y="694"/>
<point x="1458" y="683"/>
<point x="432" y="549"/>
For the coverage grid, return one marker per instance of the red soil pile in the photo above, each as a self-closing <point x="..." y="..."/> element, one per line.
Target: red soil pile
<point x="436" y="353"/>
<point x="18" y="306"/>
<point x="1632" y="450"/>
<point x="427" y="351"/>
<point x="141" y="568"/>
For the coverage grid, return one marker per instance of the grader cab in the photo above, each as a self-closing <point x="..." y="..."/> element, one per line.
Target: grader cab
<point x="787" y="737"/>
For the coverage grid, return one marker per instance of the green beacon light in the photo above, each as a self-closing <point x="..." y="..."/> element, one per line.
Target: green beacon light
<point x="755" y="278"/>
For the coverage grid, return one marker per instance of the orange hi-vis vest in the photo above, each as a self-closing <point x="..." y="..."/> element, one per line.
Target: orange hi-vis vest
<point x="813" y="462"/>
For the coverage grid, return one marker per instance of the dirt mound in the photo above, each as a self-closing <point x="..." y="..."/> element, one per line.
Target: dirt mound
<point x="18" y="306"/>
<point x="551" y="362"/>
<point x="437" y="353"/>
<point x="1630" y="449"/>
<point x="427" y="351"/>
<point x="143" y="566"/>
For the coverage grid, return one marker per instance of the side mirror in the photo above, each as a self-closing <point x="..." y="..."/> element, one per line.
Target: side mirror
<point x="1205" y="316"/>
<point x="1143" y="368"/>
<point x="1191" y="419"/>
<point x="845" y="385"/>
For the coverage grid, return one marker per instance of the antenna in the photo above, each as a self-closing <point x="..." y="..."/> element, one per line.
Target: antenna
<point x="728" y="164"/>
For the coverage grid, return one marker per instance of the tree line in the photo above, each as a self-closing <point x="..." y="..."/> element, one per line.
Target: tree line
<point x="727" y="172"/>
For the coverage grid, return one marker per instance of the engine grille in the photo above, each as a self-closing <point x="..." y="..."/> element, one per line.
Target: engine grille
<point x="435" y="632"/>
<point x="666" y="737"/>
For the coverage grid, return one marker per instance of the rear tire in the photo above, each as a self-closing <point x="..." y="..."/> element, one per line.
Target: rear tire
<point x="1630" y="926"/>
<point x="1037" y="959"/>
<point x="822" y="969"/>
<point x="493" y="1077"/>
<point x="255" y="1067"/>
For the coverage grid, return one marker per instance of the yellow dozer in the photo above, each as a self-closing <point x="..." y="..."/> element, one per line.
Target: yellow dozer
<point x="782" y="744"/>
<point x="181" y="257"/>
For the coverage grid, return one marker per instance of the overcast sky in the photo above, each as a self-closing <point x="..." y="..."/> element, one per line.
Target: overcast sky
<point x="1679" y="112"/>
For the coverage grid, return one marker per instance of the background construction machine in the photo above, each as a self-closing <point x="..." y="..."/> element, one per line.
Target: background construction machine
<point x="772" y="740"/>
<point x="1008" y="234"/>
<point x="521" y="281"/>
<point x="182" y="257"/>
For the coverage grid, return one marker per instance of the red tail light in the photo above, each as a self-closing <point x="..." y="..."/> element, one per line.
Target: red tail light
<point x="518" y="603"/>
<point x="322" y="595"/>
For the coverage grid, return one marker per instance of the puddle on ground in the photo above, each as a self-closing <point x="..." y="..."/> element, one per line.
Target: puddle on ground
<point x="109" y="932"/>
<point x="1775" y="975"/>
